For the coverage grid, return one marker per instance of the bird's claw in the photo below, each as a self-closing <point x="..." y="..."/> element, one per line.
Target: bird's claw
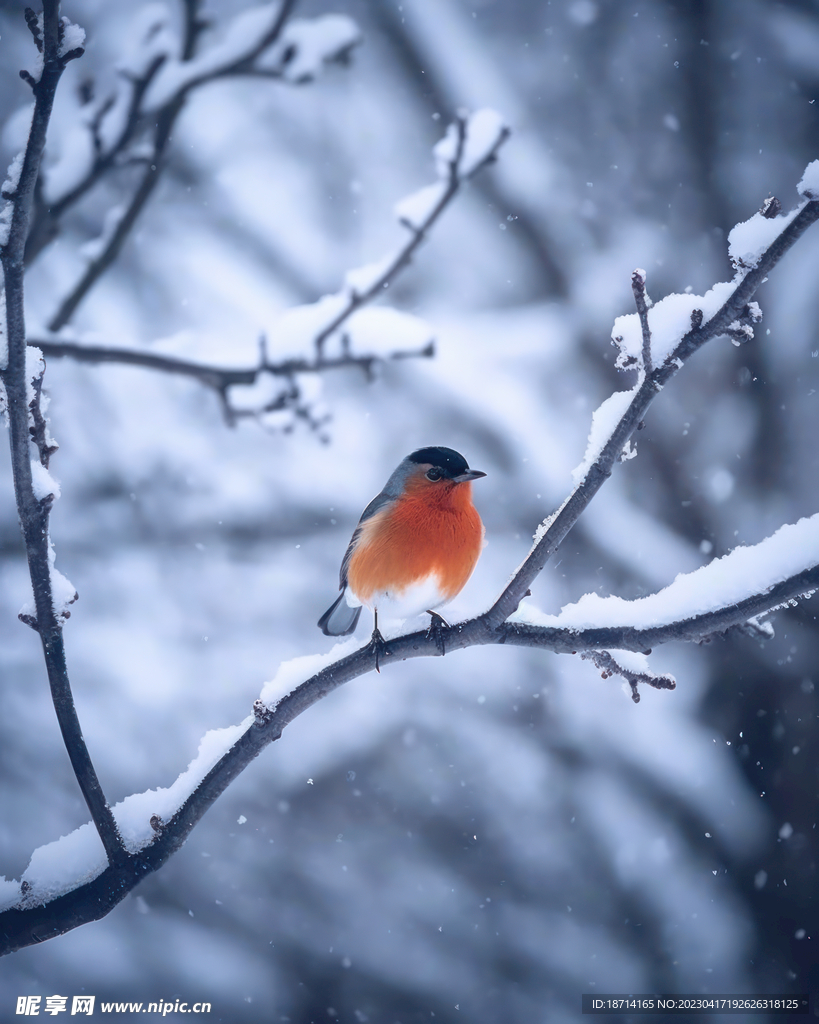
<point x="437" y="623"/>
<point x="378" y="645"/>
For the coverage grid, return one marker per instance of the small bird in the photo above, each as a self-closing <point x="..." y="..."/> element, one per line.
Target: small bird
<point x="415" y="545"/>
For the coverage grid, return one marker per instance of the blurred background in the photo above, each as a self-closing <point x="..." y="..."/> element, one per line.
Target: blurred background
<point x="486" y="836"/>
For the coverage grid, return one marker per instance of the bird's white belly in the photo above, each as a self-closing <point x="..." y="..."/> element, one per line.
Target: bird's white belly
<point x="395" y="606"/>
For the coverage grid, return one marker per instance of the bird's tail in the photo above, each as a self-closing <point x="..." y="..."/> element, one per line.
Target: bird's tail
<point x="339" y="619"/>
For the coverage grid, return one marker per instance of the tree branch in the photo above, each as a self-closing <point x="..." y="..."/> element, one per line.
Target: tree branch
<point x="161" y="122"/>
<point x="165" y="119"/>
<point x="22" y="388"/>
<point x="353" y="299"/>
<point x="455" y="178"/>
<point x="550" y="538"/>
<point x="638" y="287"/>
<point x="217" y="377"/>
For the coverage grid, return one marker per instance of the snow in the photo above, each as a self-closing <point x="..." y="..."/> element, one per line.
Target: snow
<point x="414" y="210"/>
<point x="13" y="174"/>
<point x="377" y="330"/>
<point x="73" y="37"/>
<point x="35" y="364"/>
<point x="316" y="41"/>
<point x="306" y="45"/>
<point x="59" y="867"/>
<point x="149" y="36"/>
<point x="669" y="320"/>
<point x="361" y="280"/>
<point x="5" y="228"/>
<point x="382" y="330"/>
<point x="134" y="813"/>
<point x="298" y="326"/>
<point x="483" y="130"/>
<point x="9" y="893"/>
<point x="742" y="573"/>
<point x="63" y="591"/>
<point x="4" y="339"/>
<point x="604" y="422"/>
<point x="809" y="185"/>
<point x="631" y="661"/>
<point x="79" y="857"/>
<point x="42" y="482"/>
<point x="245" y="32"/>
<point x="748" y="240"/>
<point x="295" y="671"/>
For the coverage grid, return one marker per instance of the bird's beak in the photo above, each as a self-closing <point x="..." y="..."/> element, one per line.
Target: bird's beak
<point x="470" y="474"/>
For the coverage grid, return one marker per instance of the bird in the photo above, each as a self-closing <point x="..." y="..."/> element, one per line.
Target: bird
<point x="415" y="545"/>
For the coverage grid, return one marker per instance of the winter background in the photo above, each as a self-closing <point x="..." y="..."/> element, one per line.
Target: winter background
<point x="486" y="836"/>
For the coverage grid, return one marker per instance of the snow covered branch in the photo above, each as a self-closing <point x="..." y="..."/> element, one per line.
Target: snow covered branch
<point x="134" y="127"/>
<point x="222" y="378"/>
<point x="679" y="326"/>
<point x="470" y="144"/>
<point x="58" y="42"/>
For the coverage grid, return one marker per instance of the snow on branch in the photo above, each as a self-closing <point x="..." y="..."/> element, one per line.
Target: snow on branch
<point x="732" y="592"/>
<point x="470" y="143"/>
<point x="260" y="41"/>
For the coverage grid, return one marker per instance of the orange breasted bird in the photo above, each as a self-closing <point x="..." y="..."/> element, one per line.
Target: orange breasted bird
<point x="415" y="545"/>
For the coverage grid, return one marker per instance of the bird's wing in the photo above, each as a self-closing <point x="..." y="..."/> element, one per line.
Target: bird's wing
<point x="378" y="502"/>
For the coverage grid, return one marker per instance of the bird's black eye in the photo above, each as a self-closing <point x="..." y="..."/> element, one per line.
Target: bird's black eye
<point x="435" y="473"/>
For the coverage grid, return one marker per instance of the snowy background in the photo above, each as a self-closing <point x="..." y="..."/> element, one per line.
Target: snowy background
<point x="488" y="835"/>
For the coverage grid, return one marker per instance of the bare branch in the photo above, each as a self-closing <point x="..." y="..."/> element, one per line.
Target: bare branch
<point x="638" y="286"/>
<point x="26" y="421"/>
<point x="610" y="666"/>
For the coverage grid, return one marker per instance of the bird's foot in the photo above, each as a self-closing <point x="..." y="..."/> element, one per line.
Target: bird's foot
<point x="378" y="645"/>
<point x="437" y="624"/>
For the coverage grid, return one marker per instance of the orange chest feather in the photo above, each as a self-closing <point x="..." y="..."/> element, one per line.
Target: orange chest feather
<point x="415" y="538"/>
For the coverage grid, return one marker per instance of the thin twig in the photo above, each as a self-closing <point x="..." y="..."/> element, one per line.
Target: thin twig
<point x="638" y="287"/>
<point x="48" y="216"/>
<point x="34" y="512"/>
<point x="152" y="168"/>
<point x="609" y="666"/>
<point x="418" y="232"/>
<point x="220" y="378"/>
